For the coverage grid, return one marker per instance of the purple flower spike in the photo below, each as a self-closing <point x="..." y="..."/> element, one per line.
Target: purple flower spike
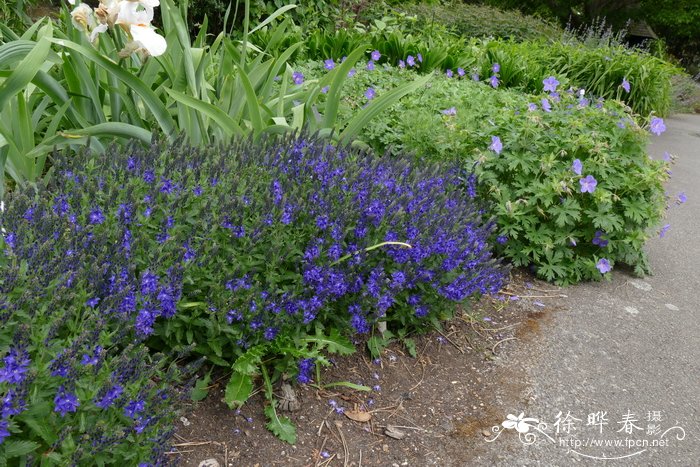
<point x="588" y="184"/>
<point x="550" y="84"/>
<point x="496" y="145"/>
<point x="603" y="265"/>
<point x="657" y="126"/>
<point x="577" y="167"/>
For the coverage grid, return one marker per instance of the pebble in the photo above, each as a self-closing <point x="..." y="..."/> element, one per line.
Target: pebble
<point x="209" y="463"/>
<point x="671" y="307"/>
<point x="185" y="421"/>
<point x="631" y="310"/>
<point x="641" y="285"/>
<point x="486" y="433"/>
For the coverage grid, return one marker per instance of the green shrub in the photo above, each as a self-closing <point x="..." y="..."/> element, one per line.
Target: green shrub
<point x="547" y="221"/>
<point x="470" y="20"/>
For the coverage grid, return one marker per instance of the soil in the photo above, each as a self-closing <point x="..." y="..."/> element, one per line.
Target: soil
<point x="434" y="409"/>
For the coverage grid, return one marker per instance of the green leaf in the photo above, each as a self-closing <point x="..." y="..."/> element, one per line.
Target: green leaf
<point x="379" y="105"/>
<point x="333" y="343"/>
<point x="272" y="17"/>
<point x="201" y="388"/>
<point x="25" y="71"/>
<point x="249" y="362"/>
<point x="410" y="345"/>
<point x="282" y="427"/>
<point x="338" y="76"/>
<point x="19" y="448"/>
<point x="229" y="126"/>
<point x="150" y="100"/>
<point x="238" y="389"/>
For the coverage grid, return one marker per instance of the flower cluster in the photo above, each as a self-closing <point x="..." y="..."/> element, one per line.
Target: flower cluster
<point x="134" y="17"/>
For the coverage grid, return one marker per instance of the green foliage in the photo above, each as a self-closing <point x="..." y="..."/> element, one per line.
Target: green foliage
<point x="533" y="191"/>
<point x="469" y="20"/>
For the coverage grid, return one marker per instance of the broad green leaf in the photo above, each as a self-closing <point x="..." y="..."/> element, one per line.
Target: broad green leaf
<point x="201" y="388"/>
<point x="24" y="72"/>
<point x="19" y="448"/>
<point x="227" y="124"/>
<point x="238" y="389"/>
<point x="249" y="362"/>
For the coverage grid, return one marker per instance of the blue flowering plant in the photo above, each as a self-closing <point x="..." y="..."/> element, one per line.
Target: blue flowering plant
<point x="563" y="169"/>
<point x="260" y="256"/>
<point x="77" y="384"/>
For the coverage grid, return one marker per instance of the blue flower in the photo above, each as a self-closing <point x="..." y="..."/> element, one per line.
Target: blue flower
<point x="588" y="184"/>
<point x="657" y="126"/>
<point x="376" y="55"/>
<point x="306" y="367"/>
<point x="682" y="198"/>
<point x="134" y="407"/>
<point x="297" y="77"/>
<point x="496" y="67"/>
<point x="370" y="65"/>
<point x="603" y="265"/>
<point x="410" y="60"/>
<point x="96" y="216"/>
<point x="496" y="145"/>
<point x="449" y="73"/>
<point x="625" y="85"/>
<point x="493" y="81"/>
<point x="65" y="402"/>
<point x="664" y="230"/>
<point x="577" y="166"/>
<point x="329" y="64"/>
<point x="546" y="106"/>
<point x="369" y="94"/>
<point x="461" y="72"/>
<point x="550" y="84"/>
<point x="452" y="111"/>
<point x="110" y="397"/>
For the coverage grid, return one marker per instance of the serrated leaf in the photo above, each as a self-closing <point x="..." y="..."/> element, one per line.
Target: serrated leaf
<point x="19" y="448"/>
<point x="249" y="362"/>
<point x="201" y="389"/>
<point x="238" y="389"/>
<point x="282" y="427"/>
<point x="410" y="345"/>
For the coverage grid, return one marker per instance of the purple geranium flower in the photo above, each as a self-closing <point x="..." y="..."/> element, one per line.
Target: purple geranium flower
<point x="449" y="73"/>
<point x="657" y="126"/>
<point x="550" y="84"/>
<point x="419" y="57"/>
<point x="496" y="145"/>
<point x="297" y="77"/>
<point x="370" y="93"/>
<point x="410" y="60"/>
<point x="376" y="55"/>
<point x="664" y="229"/>
<point x="493" y="81"/>
<point x="588" y="184"/>
<point x="461" y="72"/>
<point x="577" y="166"/>
<point x="546" y="106"/>
<point x="625" y="84"/>
<point x="531" y="107"/>
<point x="370" y="65"/>
<point x="603" y="265"/>
<point x="329" y="64"/>
<point x="682" y="198"/>
<point x="496" y="68"/>
<point x="451" y="111"/>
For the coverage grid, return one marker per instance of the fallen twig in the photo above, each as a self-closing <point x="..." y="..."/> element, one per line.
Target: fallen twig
<point x="493" y="349"/>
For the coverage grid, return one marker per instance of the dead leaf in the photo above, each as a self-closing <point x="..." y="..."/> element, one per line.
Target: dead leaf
<point x="393" y="432"/>
<point x="358" y="416"/>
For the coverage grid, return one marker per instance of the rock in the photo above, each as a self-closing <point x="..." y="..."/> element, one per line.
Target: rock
<point x="486" y="433"/>
<point x="210" y="463"/>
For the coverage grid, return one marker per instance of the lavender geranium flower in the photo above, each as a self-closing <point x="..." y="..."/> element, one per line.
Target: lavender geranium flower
<point x="657" y="126"/>
<point x="452" y="111"/>
<point x="298" y="77"/>
<point x="588" y="184"/>
<point x="682" y="198"/>
<point x="664" y="230"/>
<point x="577" y="166"/>
<point x="419" y="57"/>
<point x="603" y="265"/>
<point x="494" y="81"/>
<point x="531" y="107"/>
<point x="449" y="73"/>
<point x="411" y="61"/>
<point x="402" y="64"/>
<point x="461" y="72"/>
<point x="496" y="68"/>
<point x="375" y="55"/>
<point x="329" y="64"/>
<point x="546" y="106"/>
<point x="550" y="84"/>
<point x="496" y="145"/>
<point x="625" y="85"/>
<point x="370" y="66"/>
<point x="369" y="94"/>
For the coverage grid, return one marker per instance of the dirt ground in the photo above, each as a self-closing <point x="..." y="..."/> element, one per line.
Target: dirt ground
<point x="431" y="410"/>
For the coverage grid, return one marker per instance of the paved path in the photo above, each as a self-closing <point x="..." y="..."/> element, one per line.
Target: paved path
<point x="631" y="346"/>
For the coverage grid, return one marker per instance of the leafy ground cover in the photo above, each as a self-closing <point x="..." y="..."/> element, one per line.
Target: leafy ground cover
<point x="123" y="265"/>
